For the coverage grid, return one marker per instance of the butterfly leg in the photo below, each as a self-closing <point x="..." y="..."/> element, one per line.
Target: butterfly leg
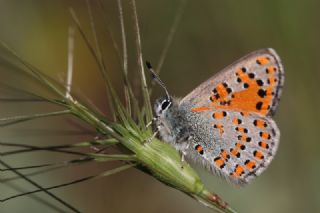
<point x="182" y="147"/>
<point x="154" y="119"/>
<point x="184" y="152"/>
<point x="153" y="135"/>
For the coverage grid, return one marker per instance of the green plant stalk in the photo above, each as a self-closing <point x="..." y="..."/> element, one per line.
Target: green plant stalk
<point x="157" y="158"/>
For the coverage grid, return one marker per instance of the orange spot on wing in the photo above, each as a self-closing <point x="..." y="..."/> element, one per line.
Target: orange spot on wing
<point x="263" y="145"/>
<point x="234" y="152"/>
<point x="244" y="138"/>
<point x="239" y="170"/>
<point x="199" y="149"/>
<point x="243" y="76"/>
<point x="219" y="115"/>
<point x="241" y="129"/>
<point x="271" y="70"/>
<point x="221" y="90"/>
<point x="265" y="135"/>
<point x="260" y="123"/>
<point x="258" y="154"/>
<point x="239" y="145"/>
<point x="200" y="109"/>
<point x="262" y="60"/>
<point x="224" y="154"/>
<point x="272" y="81"/>
<point x="250" y="164"/>
<point x="220" y="127"/>
<point x="235" y="121"/>
<point x="219" y="162"/>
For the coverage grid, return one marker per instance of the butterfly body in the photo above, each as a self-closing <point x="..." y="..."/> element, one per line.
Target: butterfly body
<point x="225" y="124"/>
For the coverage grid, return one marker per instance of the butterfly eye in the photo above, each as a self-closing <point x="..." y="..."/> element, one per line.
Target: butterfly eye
<point x="165" y="104"/>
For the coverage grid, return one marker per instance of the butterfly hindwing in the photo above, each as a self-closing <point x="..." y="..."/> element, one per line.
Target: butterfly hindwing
<point x="241" y="146"/>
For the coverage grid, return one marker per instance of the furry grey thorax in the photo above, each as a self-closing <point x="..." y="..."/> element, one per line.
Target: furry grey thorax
<point x="171" y="122"/>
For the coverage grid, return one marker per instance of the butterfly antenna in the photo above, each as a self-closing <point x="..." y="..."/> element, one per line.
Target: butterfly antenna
<point x="157" y="79"/>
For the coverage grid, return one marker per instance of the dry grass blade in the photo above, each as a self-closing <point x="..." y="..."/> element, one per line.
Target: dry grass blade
<point x="125" y="58"/>
<point x="97" y="56"/>
<point x="92" y="177"/>
<point x="22" y="118"/>
<point x="171" y="34"/>
<point x="40" y="188"/>
<point x="144" y="86"/>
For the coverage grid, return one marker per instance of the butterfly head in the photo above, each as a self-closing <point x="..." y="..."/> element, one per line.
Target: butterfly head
<point x="162" y="105"/>
<point x="168" y="115"/>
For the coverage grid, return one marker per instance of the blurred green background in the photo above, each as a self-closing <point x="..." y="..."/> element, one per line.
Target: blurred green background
<point x="211" y="35"/>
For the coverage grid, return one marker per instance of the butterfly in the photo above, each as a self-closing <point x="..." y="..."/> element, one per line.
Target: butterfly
<point x="226" y="124"/>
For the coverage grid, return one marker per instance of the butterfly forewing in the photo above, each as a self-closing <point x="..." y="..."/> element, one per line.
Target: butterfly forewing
<point x="251" y="84"/>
